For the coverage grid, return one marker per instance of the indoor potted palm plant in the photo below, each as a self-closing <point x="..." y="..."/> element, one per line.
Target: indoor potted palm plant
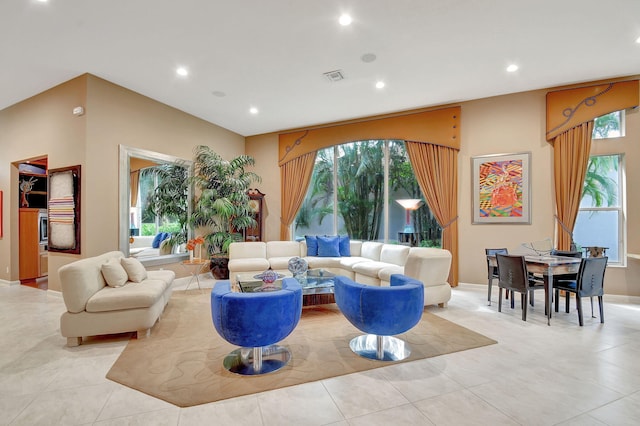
<point x="221" y="209"/>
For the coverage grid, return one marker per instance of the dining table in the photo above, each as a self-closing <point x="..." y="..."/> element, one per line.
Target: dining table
<point x="547" y="265"/>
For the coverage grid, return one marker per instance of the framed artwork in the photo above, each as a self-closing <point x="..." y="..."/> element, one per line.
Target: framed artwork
<point x="500" y="188"/>
<point x="64" y="210"/>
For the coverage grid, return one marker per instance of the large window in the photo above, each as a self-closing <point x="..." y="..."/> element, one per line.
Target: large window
<point x="162" y="195"/>
<point x="355" y="190"/>
<point x="609" y="125"/>
<point x="601" y="220"/>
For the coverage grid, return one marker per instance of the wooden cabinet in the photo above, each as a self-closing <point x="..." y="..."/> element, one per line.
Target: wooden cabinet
<point x="257" y="206"/>
<point x="30" y="251"/>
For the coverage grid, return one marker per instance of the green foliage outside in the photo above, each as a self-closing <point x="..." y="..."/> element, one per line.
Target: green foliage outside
<point x="167" y="201"/>
<point x="604" y="125"/>
<point x="360" y="189"/>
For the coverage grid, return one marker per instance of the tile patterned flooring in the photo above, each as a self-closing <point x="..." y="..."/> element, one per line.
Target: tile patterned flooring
<point x="535" y="375"/>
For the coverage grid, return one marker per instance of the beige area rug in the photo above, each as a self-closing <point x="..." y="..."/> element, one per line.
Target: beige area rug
<point x="181" y="362"/>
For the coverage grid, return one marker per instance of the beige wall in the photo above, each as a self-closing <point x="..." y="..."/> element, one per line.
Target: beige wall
<point x="504" y="124"/>
<point x="44" y="125"/>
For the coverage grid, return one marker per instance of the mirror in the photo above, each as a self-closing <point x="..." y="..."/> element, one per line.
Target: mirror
<point x="138" y="227"/>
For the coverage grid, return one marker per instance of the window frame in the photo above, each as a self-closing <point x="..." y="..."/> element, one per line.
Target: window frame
<point x="620" y="208"/>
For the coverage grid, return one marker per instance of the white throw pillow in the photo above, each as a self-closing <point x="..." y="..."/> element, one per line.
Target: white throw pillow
<point x="114" y="274"/>
<point x="135" y="269"/>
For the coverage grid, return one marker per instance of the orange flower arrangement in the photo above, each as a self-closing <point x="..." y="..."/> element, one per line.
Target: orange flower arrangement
<point x="194" y="242"/>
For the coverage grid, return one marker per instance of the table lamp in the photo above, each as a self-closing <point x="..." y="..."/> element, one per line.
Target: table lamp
<point x="409" y="204"/>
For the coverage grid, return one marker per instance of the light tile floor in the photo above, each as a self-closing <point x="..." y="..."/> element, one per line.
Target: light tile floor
<point x="535" y="375"/>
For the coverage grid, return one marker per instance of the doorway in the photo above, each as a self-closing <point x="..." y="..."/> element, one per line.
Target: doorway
<point x="33" y="229"/>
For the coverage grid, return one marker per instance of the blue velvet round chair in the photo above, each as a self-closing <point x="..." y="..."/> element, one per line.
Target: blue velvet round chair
<point x="256" y="322"/>
<point x="381" y="312"/>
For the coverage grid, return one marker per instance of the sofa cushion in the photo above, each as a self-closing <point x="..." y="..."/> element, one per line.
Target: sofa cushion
<point x="248" y="265"/>
<point x="312" y="245"/>
<point x="328" y="246"/>
<point x="315" y="262"/>
<point x="113" y="273"/>
<point x="135" y="269"/>
<point x="160" y="237"/>
<point x="281" y="249"/>
<point x="131" y="296"/>
<point x="371" y="268"/>
<point x="395" y="254"/>
<point x="165" y="275"/>
<point x="248" y="250"/>
<point x="371" y="250"/>
<point x="344" y="245"/>
<point x="348" y="262"/>
<point x="385" y="273"/>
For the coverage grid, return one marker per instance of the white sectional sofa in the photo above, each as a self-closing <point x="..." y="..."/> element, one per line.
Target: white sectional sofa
<point x="369" y="262"/>
<point x="95" y="308"/>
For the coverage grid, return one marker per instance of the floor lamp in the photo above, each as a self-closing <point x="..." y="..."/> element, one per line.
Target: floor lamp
<point x="409" y="204"/>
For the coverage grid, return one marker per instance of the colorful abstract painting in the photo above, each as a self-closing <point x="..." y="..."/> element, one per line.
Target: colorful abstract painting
<point x="501" y="188"/>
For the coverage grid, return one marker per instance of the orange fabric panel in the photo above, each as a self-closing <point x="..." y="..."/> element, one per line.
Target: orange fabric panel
<point x="572" y="107"/>
<point x="439" y="127"/>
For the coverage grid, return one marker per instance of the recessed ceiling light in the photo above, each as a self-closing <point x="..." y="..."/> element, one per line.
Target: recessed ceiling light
<point x="182" y="71"/>
<point x="345" y="20"/>
<point x="512" y="68"/>
<point x="368" y="57"/>
<point x="638" y="40"/>
<point x="253" y="110"/>
<point x="379" y="84"/>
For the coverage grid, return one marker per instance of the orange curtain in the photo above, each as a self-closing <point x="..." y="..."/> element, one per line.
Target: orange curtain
<point x="570" y="158"/>
<point x="295" y="176"/>
<point x="133" y="185"/>
<point x="436" y="169"/>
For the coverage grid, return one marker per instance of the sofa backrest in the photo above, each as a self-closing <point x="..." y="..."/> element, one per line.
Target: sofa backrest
<point x="429" y="265"/>
<point x="355" y="247"/>
<point x="371" y="250"/>
<point x="284" y="249"/>
<point x="248" y="250"/>
<point x="393" y="253"/>
<point x="82" y="279"/>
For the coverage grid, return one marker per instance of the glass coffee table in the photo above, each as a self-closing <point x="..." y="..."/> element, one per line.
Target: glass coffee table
<point x="317" y="285"/>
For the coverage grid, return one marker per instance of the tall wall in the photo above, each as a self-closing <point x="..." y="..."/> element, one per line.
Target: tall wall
<point x="504" y="124"/>
<point x="45" y="125"/>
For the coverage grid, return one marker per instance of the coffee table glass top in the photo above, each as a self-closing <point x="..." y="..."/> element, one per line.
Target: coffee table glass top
<point x="314" y="281"/>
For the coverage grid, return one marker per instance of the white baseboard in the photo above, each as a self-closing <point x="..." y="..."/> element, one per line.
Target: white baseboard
<point x="5" y="282"/>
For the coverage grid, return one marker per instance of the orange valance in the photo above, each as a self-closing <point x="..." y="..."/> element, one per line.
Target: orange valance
<point x="569" y="108"/>
<point x="439" y="127"/>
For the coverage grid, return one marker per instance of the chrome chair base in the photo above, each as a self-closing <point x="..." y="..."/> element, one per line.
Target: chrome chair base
<point x="380" y="348"/>
<point x="255" y="361"/>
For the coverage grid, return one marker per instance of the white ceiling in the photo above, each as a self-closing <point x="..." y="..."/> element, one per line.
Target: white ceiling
<point x="272" y="54"/>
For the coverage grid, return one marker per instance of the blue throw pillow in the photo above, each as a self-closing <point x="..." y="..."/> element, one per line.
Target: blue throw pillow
<point x="157" y="240"/>
<point x="328" y="246"/>
<point x="344" y="246"/>
<point x="312" y="245"/>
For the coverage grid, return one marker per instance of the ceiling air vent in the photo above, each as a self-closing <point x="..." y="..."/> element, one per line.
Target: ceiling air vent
<point x="334" y="76"/>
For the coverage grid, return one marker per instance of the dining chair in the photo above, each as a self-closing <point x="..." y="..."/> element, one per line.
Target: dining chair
<point x="513" y="276"/>
<point x="565" y="277"/>
<point x="589" y="283"/>
<point x="492" y="271"/>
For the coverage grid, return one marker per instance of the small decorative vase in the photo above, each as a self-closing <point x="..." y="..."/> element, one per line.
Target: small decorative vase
<point x="190" y="255"/>
<point x="269" y="276"/>
<point x="297" y="266"/>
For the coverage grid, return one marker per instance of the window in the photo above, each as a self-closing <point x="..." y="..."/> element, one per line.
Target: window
<point x="609" y="125"/>
<point x="601" y="220"/>
<point x="162" y="189"/>
<point x="353" y="190"/>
